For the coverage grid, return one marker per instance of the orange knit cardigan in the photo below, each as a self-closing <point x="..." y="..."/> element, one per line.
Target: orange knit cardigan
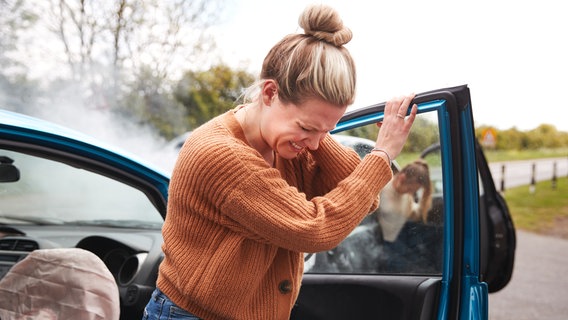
<point x="236" y="228"/>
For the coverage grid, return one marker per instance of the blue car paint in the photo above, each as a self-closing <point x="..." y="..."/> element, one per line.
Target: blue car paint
<point x="474" y="293"/>
<point x="446" y="153"/>
<point x="18" y="127"/>
<point x="474" y="303"/>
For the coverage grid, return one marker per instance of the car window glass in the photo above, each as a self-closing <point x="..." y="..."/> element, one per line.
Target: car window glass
<point x="51" y="192"/>
<point x="405" y="234"/>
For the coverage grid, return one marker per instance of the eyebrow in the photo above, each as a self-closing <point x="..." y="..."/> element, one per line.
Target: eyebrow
<point x="312" y="128"/>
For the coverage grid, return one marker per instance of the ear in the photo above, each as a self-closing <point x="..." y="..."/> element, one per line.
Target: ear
<point x="269" y="91"/>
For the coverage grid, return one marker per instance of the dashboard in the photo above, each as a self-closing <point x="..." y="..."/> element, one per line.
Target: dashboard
<point x="132" y="255"/>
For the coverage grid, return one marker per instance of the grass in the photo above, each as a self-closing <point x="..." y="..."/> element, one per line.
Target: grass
<point x="546" y="210"/>
<point x="508" y="155"/>
<point x="501" y="155"/>
<point x="541" y="210"/>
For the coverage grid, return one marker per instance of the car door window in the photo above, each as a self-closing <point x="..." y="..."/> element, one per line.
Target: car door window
<point x="404" y="235"/>
<point x="52" y="192"/>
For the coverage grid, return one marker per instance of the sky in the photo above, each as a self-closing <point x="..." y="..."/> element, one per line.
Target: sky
<point x="513" y="55"/>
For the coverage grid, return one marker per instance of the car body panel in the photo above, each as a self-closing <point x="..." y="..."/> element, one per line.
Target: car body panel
<point x="470" y="239"/>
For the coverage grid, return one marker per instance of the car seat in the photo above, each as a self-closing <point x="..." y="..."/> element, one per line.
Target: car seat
<point x="68" y="283"/>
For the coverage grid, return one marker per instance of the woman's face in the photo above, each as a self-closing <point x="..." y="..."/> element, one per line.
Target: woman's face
<point x="288" y="129"/>
<point x="405" y="185"/>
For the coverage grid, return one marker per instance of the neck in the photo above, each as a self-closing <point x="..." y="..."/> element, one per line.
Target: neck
<point x="249" y="119"/>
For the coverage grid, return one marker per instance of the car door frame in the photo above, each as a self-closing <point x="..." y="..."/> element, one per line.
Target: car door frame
<point x="459" y="292"/>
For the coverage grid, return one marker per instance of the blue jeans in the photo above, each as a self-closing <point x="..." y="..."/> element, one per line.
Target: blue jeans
<point x="160" y="307"/>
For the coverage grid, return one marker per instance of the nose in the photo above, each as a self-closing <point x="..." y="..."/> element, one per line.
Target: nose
<point x="314" y="140"/>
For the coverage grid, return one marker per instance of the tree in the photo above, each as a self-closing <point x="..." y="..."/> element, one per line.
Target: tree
<point x="17" y="92"/>
<point x="544" y="136"/>
<point x="206" y="94"/>
<point x="511" y="139"/>
<point x="16" y="16"/>
<point x="131" y="35"/>
<point x="153" y="106"/>
<point x="424" y="133"/>
<point x="104" y="45"/>
<point x="120" y="56"/>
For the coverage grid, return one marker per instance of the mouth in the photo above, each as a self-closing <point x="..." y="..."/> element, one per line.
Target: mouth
<point x="295" y="146"/>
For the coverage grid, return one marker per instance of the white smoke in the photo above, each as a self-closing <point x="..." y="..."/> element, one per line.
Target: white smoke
<point x="68" y="108"/>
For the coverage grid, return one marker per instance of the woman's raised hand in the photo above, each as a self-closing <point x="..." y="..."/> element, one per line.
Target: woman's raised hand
<point x="396" y="124"/>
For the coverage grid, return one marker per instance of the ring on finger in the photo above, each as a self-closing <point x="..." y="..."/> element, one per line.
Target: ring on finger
<point x="400" y="115"/>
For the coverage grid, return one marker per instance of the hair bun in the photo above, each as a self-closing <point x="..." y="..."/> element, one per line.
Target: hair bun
<point x="323" y="22"/>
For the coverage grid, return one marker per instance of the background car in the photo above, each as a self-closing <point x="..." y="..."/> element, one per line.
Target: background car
<point x="62" y="189"/>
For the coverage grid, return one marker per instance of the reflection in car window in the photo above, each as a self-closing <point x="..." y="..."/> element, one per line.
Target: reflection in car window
<point x="405" y="234"/>
<point x="50" y="192"/>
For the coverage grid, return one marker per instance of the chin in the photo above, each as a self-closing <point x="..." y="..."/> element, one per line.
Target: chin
<point x="289" y="154"/>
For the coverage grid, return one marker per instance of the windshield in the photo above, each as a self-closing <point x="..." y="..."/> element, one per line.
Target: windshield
<point x="51" y="192"/>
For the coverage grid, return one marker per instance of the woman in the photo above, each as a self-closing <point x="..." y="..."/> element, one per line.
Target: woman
<point x="255" y="188"/>
<point x="397" y="199"/>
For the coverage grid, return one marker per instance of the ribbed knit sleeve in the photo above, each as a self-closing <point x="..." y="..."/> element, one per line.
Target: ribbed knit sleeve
<point x="319" y="171"/>
<point x="251" y="198"/>
<point x="263" y="203"/>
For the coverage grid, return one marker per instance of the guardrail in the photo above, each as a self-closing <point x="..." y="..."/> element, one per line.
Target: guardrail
<point x="551" y="173"/>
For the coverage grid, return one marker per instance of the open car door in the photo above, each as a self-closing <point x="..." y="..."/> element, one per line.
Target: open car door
<point x="439" y="267"/>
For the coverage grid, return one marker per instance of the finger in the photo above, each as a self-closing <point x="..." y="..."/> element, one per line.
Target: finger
<point x="403" y="109"/>
<point x="392" y="106"/>
<point x="412" y="115"/>
<point x="389" y="108"/>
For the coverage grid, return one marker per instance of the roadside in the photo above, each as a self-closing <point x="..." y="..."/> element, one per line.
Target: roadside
<point x="544" y="210"/>
<point x="537" y="290"/>
<point x="559" y="229"/>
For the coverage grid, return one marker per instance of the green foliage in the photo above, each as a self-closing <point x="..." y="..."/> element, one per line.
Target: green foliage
<point x="423" y="134"/>
<point x="206" y="94"/>
<point x="118" y="56"/>
<point x="545" y="136"/>
<point x="540" y="210"/>
<point x="525" y="154"/>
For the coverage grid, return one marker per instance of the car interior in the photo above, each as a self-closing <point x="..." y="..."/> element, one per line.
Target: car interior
<point x="48" y="201"/>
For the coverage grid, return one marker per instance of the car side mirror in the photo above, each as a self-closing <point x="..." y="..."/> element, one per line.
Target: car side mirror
<point x="8" y="171"/>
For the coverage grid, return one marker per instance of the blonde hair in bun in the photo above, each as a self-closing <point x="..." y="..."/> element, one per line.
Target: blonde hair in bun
<point x="314" y="64"/>
<point x="324" y="23"/>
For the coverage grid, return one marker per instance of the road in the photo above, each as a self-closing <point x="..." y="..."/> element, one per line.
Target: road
<point x="519" y="173"/>
<point x="538" y="288"/>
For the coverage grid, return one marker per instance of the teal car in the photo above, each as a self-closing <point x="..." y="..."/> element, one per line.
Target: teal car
<point x="62" y="189"/>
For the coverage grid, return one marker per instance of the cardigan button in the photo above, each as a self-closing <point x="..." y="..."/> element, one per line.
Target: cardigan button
<point x="285" y="286"/>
